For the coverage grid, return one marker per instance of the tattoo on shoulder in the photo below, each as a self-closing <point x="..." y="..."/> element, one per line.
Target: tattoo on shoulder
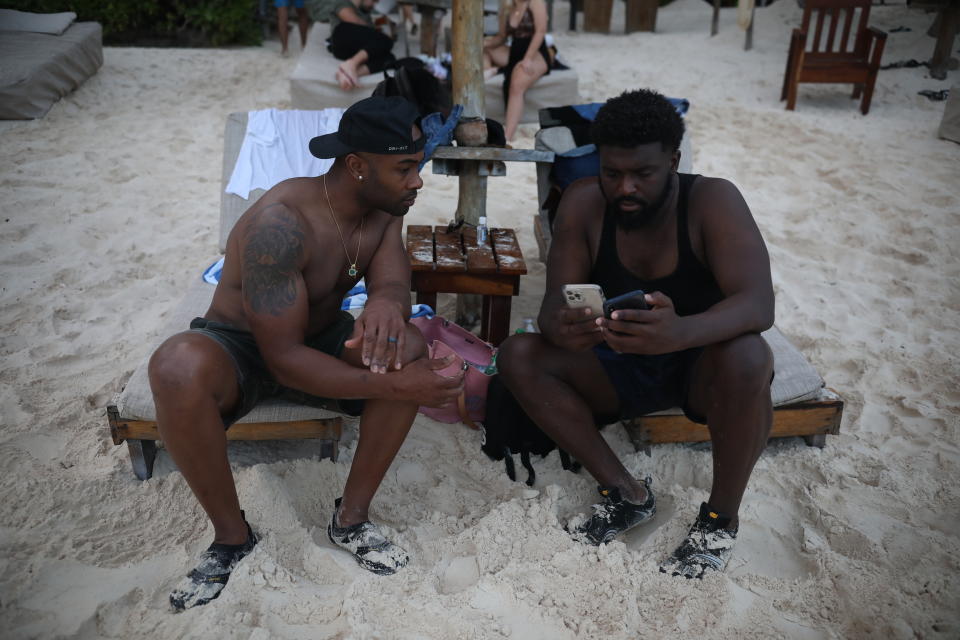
<point x="271" y="259"/>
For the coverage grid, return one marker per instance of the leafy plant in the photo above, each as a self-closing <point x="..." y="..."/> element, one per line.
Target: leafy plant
<point x="198" y="22"/>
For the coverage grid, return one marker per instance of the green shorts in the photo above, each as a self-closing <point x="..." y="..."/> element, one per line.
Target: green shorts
<point x="255" y="380"/>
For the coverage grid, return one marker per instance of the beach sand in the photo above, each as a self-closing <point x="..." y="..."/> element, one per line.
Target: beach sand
<point x="110" y="208"/>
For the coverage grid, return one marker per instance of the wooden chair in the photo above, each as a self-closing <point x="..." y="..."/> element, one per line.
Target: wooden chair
<point x="827" y="56"/>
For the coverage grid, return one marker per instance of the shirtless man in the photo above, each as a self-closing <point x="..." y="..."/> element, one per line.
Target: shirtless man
<point x="275" y="328"/>
<point x="692" y="245"/>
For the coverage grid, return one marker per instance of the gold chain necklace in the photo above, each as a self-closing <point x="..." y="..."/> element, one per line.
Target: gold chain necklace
<point x="352" y="271"/>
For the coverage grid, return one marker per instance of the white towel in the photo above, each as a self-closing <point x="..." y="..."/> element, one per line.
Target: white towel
<point x="275" y="148"/>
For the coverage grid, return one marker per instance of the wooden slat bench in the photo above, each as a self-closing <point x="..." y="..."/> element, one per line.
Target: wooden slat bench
<point x="810" y="419"/>
<point x="452" y="262"/>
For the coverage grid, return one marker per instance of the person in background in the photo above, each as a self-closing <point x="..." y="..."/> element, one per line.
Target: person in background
<point x="354" y="39"/>
<point x="519" y="50"/>
<point x="406" y="10"/>
<point x="283" y="26"/>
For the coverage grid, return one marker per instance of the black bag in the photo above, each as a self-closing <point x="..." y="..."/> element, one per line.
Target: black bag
<point x="412" y="80"/>
<point x="507" y="430"/>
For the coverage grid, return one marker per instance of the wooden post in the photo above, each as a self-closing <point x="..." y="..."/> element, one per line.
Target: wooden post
<point x="472" y="130"/>
<point x="468" y="91"/>
<point x="429" y="28"/>
<point x="574" y="7"/>
<point x="596" y="16"/>
<point x="949" y="18"/>
<point x="641" y="15"/>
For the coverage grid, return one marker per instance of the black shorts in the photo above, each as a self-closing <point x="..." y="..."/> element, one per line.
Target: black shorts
<point x="646" y="384"/>
<point x="256" y="382"/>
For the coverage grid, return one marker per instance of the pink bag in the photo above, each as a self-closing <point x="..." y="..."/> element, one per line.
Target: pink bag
<point x="443" y="338"/>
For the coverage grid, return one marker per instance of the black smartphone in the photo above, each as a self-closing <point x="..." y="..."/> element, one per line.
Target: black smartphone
<point x="632" y="300"/>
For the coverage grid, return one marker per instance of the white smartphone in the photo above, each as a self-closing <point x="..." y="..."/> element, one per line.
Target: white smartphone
<point x="581" y="296"/>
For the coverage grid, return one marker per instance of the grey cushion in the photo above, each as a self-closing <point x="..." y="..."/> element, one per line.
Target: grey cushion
<point x="37" y="69"/>
<point x="51" y="23"/>
<point x="135" y="402"/>
<point x="313" y="84"/>
<point x="795" y="380"/>
<point x="557" y="88"/>
<point x="233" y="206"/>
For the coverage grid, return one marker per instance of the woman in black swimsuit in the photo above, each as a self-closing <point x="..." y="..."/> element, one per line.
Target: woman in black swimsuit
<point x="525" y="61"/>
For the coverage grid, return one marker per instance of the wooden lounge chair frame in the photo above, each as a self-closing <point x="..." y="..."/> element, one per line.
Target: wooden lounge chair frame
<point x="812" y="420"/>
<point x="141" y="436"/>
<point x="829" y="57"/>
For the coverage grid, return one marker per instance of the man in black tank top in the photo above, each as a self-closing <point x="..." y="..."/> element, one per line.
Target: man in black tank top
<point x="690" y="242"/>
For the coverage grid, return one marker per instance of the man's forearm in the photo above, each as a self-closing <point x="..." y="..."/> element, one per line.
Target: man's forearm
<point x="392" y="292"/>
<point x="737" y="315"/>
<point x="319" y="374"/>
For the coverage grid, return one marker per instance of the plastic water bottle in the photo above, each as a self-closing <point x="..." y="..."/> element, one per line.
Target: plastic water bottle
<point x="528" y="327"/>
<point x="482" y="231"/>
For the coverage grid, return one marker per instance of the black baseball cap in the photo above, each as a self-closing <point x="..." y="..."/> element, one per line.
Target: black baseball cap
<point x="378" y="124"/>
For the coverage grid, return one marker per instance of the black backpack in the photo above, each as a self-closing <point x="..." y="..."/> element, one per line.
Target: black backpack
<point x="507" y="430"/>
<point x="412" y="80"/>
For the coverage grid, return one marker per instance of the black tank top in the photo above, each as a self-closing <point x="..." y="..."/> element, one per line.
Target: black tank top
<point x="691" y="286"/>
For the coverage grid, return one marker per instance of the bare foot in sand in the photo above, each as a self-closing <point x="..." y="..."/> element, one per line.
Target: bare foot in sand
<point x="346" y="79"/>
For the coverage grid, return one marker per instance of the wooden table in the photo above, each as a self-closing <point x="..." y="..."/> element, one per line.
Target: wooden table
<point x="452" y="262"/>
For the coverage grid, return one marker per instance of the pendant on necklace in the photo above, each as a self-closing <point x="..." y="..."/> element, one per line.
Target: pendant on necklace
<point x="352" y="271"/>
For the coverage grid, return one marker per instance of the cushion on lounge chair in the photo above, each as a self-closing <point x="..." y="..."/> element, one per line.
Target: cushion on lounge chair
<point x="135" y="402"/>
<point x="50" y="23"/>
<point x="313" y="83"/>
<point x="233" y="206"/>
<point x="795" y="380"/>
<point x="38" y="69"/>
<point x="559" y="87"/>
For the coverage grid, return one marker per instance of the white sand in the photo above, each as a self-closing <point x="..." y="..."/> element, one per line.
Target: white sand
<point x="109" y="208"/>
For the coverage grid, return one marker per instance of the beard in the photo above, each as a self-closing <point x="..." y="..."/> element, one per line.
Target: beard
<point x="645" y="214"/>
<point x="401" y="208"/>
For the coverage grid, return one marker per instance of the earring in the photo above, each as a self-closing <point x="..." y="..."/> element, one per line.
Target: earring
<point x="360" y="178"/>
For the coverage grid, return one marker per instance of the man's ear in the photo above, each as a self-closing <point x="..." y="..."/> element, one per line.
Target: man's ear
<point x="675" y="160"/>
<point x="357" y="166"/>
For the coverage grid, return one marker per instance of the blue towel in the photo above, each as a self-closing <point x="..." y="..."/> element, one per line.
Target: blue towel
<point x="212" y="273"/>
<point x="356" y="298"/>
<point x="439" y="132"/>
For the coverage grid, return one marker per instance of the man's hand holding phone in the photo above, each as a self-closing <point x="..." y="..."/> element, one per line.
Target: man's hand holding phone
<point x="575" y="322"/>
<point x="654" y="330"/>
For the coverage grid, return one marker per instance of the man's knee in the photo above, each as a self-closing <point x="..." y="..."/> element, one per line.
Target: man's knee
<point x="743" y="364"/>
<point x="519" y="354"/>
<point x="414" y="345"/>
<point x="183" y="364"/>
